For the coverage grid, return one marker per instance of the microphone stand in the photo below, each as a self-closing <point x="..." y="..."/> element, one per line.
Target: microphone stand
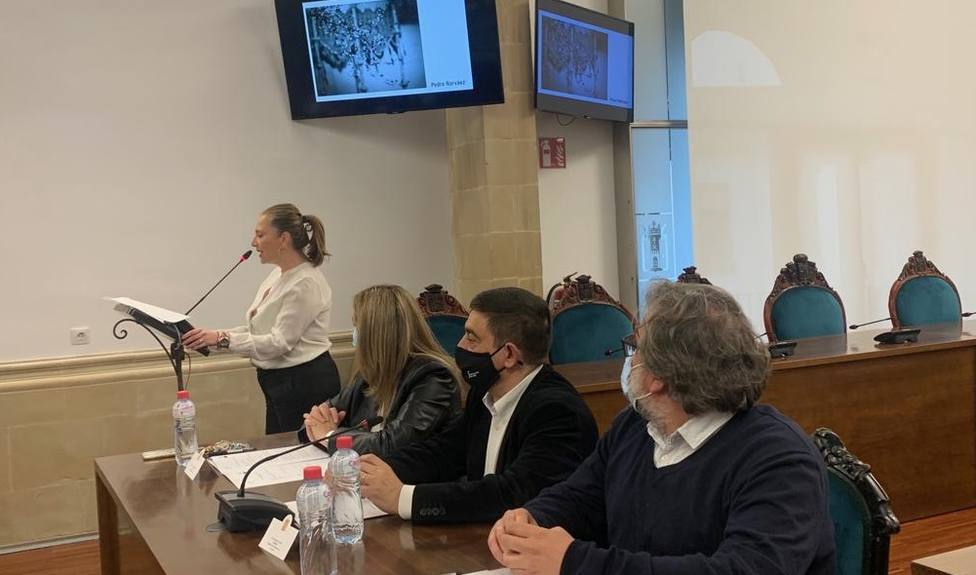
<point x="175" y="353"/>
<point x="240" y="510"/>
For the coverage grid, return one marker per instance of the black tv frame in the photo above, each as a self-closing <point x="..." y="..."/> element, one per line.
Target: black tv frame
<point x="569" y="106"/>
<point x="486" y="69"/>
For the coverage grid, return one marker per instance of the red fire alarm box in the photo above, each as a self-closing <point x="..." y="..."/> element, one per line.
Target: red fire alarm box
<point x="552" y="152"/>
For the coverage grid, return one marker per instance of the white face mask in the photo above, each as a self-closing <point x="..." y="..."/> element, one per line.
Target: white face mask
<point x="355" y="336"/>
<point x="625" y="374"/>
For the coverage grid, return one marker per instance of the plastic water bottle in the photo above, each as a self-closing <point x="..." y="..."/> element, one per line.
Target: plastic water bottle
<point x="314" y="502"/>
<point x="184" y="428"/>
<point x="347" y="504"/>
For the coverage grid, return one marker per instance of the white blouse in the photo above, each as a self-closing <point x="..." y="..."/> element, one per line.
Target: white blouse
<point x="288" y="323"/>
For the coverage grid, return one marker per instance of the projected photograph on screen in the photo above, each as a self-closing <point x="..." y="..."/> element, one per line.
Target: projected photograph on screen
<point x="350" y="57"/>
<point x="575" y="59"/>
<point x="365" y="47"/>
<point x="584" y="62"/>
<point x="370" y="48"/>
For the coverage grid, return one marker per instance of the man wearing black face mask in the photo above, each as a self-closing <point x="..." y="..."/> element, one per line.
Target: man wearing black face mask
<point x="524" y="426"/>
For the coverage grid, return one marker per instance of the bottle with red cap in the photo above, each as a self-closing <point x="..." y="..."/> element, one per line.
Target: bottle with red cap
<point x="184" y="428"/>
<point x="347" y="504"/>
<point x="314" y="501"/>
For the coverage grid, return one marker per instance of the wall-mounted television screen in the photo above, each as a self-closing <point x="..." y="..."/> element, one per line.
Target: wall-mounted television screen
<point x="584" y="62"/>
<point x="349" y="57"/>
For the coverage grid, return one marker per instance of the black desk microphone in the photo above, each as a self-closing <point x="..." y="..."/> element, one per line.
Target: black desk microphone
<point x="242" y="510"/>
<point x="857" y="325"/>
<point x="893" y="336"/>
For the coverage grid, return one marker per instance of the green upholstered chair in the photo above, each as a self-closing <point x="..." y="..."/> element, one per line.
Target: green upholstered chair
<point x="690" y="275"/>
<point x="802" y="304"/>
<point x="445" y="316"/>
<point x="587" y="323"/>
<point x="859" y="507"/>
<point x="922" y="295"/>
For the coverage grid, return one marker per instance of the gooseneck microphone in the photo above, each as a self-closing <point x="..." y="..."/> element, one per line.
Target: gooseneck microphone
<point x="243" y="257"/>
<point x="857" y="325"/>
<point x="241" y="510"/>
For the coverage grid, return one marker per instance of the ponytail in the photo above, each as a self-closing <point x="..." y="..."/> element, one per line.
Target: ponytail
<point x="315" y="250"/>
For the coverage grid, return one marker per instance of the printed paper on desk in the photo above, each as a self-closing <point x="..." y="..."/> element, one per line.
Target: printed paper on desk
<point x="285" y="469"/>
<point x="370" y="510"/>
<point x="502" y="571"/>
<point x="279" y="537"/>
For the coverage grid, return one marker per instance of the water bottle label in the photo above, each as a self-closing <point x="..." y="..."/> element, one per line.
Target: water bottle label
<point x="279" y="537"/>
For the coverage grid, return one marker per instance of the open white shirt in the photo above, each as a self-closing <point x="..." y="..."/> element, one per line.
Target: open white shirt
<point x="687" y="439"/>
<point x="501" y="414"/>
<point x="288" y="323"/>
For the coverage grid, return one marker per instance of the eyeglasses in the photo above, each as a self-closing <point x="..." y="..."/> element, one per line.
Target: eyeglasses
<point x="629" y="345"/>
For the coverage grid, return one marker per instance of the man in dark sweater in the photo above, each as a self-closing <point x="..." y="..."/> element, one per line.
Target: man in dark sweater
<point x="695" y="478"/>
<point x="524" y="426"/>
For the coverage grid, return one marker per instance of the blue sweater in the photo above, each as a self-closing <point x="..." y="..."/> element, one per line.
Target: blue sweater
<point x="752" y="499"/>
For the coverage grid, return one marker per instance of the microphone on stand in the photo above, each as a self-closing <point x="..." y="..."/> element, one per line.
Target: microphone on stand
<point x="904" y="335"/>
<point x="780" y="348"/>
<point x="242" y="510"/>
<point x="857" y="325"/>
<point x="243" y="257"/>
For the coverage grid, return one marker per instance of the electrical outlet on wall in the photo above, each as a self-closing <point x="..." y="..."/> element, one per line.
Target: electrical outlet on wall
<point x="80" y="336"/>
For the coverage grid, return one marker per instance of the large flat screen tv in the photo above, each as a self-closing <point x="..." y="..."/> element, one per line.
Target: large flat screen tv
<point x="584" y="62"/>
<point x="349" y="57"/>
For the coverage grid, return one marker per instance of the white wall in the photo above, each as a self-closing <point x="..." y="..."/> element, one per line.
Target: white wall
<point x="139" y="140"/>
<point x="576" y="204"/>
<point x="845" y="130"/>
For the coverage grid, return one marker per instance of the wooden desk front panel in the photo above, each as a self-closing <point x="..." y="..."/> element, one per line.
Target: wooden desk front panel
<point x="912" y="417"/>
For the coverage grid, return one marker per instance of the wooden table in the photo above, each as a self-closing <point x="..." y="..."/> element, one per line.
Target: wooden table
<point x="908" y="410"/>
<point x="958" y="562"/>
<point x="153" y="519"/>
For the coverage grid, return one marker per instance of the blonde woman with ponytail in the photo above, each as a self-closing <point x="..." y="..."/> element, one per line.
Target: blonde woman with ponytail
<point x="400" y="373"/>
<point x="286" y="334"/>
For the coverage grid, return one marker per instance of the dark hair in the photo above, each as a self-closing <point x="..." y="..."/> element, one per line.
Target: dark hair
<point x="518" y="316"/>
<point x="700" y="344"/>
<point x="306" y="231"/>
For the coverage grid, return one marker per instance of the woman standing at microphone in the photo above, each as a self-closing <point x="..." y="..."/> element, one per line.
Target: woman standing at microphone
<point x="286" y="334"/>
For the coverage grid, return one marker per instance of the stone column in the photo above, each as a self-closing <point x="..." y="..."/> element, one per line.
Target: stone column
<point x="494" y="174"/>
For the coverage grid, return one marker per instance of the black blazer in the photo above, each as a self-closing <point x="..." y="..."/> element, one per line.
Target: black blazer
<point x="426" y="402"/>
<point x="550" y="433"/>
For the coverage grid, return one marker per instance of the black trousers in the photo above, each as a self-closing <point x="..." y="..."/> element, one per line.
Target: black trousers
<point x="292" y="391"/>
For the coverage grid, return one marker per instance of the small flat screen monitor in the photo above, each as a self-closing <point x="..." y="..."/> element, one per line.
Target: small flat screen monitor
<point x="584" y="62"/>
<point x="349" y="57"/>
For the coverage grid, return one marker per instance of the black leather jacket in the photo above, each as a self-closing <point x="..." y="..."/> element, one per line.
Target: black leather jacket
<point x="426" y="402"/>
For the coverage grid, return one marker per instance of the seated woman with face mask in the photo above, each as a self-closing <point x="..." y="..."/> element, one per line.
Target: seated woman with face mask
<point x="400" y="373"/>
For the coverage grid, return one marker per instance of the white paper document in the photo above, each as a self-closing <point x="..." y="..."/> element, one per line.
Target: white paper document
<point x="502" y="571"/>
<point x="285" y="469"/>
<point x="370" y="510"/>
<point x="157" y="312"/>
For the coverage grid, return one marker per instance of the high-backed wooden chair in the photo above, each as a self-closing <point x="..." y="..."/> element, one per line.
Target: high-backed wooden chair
<point x="859" y="508"/>
<point x="556" y="291"/>
<point x="587" y="323"/>
<point x="922" y="295"/>
<point x="690" y="275"/>
<point x="445" y="315"/>
<point x="802" y="304"/>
